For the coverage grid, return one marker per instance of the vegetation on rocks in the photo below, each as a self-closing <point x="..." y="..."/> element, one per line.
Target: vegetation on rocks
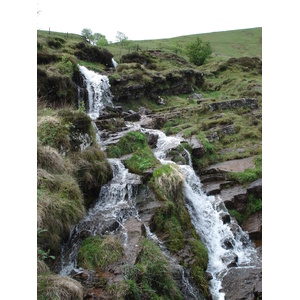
<point x="150" y="277"/>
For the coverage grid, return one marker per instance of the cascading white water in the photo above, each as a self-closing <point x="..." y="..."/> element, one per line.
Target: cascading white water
<point x="99" y="93"/>
<point x="114" y="205"/>
<point x="115" y="64"/>
<point x="224" y="246"/>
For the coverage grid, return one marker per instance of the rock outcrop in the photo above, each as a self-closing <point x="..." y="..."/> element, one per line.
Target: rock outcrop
<point x="179" y="82"/>
<point x="233" y="104"/>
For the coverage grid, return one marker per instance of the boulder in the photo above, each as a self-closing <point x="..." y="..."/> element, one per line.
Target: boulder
<point x="235" y="197"/>
<point x="254" y="226"/>
<point x="133" y="117"/>
<point x="233" y="104"/>
<point x="243" y="283"/>
<point x="152" y="140"/>
<point x="198" y="149"/>
<point x="228" y="129"/>
<point x="256" y="188"/>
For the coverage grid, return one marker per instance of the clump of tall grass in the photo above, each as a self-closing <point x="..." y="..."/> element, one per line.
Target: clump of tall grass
<point x="50" y="286"/>
<point x="59" y="206"/>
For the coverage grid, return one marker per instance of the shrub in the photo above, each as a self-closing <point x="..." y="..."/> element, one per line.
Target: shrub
<point x="198" y="51"/>
<point x="96" y="252"/>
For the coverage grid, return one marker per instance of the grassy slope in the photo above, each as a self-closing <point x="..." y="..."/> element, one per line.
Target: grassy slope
<point x="234" y="43"/>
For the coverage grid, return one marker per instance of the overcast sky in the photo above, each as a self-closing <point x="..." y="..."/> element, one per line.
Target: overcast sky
<point x="153" y="19"/>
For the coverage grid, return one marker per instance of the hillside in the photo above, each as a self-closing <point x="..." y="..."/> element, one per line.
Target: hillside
<point x="215" y="110"/>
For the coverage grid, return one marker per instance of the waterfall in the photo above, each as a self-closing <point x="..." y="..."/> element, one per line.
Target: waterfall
<point x="116" y="203"/>
<point x="99" y="94"/>
<point x="115" y="64"/>
<point x="224" y="246"/>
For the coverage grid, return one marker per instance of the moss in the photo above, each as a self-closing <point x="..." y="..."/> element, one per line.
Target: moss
<point x="96" y="252"/>
<point x="151" y="277"/>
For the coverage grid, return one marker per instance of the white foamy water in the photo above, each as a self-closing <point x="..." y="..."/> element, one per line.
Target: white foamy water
<point x="99" y="93"/>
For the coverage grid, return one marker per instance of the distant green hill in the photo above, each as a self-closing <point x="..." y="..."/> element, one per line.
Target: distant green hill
<point x="225" y="44"/>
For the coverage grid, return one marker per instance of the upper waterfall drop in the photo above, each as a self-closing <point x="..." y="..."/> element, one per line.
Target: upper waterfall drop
<point x="99" y="94"/>
<point x="115" y="64"/>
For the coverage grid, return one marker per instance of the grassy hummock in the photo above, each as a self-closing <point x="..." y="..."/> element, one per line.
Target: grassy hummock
<point x="97" y="252"/>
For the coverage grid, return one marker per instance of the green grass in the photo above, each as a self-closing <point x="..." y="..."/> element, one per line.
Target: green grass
<point x="96" y="252"/>
<point x="141" y="160"/>
<point x="226" y="44"/>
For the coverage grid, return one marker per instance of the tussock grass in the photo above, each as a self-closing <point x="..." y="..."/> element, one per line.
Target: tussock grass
<point x="54" y="287"/>
<point x="59" y="206"/>
<point x="92" y="170"/>
<point x="168" y="182"/>
<point x="49" y="159"/>
<point x="42" y="268"/>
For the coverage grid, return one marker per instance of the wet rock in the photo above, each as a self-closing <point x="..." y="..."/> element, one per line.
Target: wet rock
<point x="230" y="260"/>
<point x="152" y="140"/>
<point x="254" y="226"/>
<point x="243" y="283"/>
<point x="208" y="276"/>
<point x="225" y="217"/>
<point x="228" y="243"/>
